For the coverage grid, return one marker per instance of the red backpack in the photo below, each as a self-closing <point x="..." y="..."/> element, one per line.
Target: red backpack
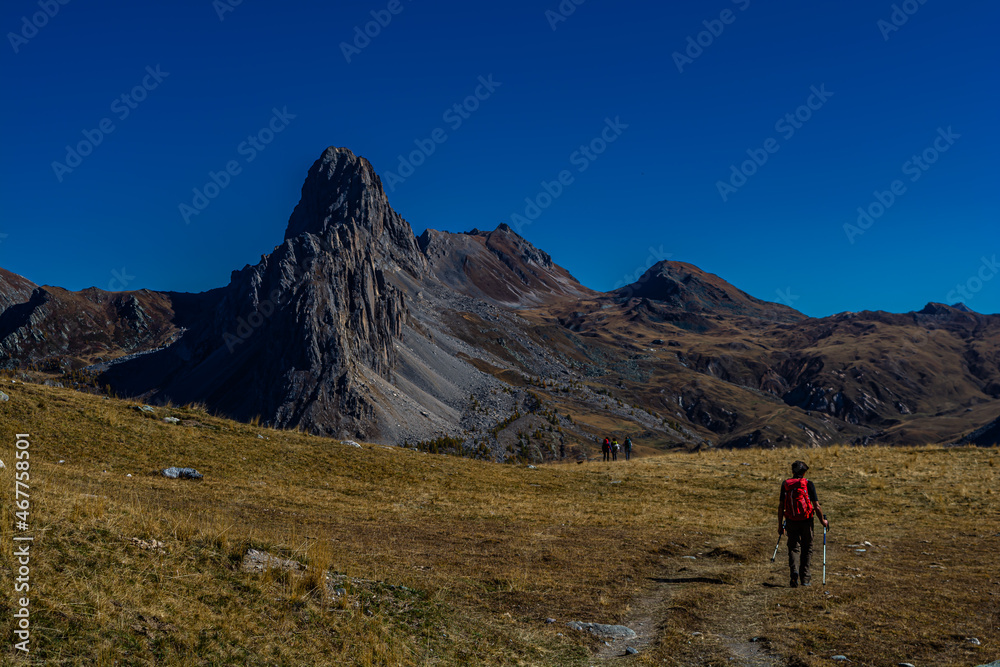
<point x="798" y="506"/>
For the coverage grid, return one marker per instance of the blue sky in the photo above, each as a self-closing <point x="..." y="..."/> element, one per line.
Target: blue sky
<point x="645" y="140"/>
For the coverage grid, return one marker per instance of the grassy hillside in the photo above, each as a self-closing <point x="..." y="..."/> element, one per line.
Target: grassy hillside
<point x="451" y="561"/>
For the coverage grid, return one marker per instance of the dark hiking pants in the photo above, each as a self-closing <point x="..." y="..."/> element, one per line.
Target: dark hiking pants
<point x="800" y="544"/>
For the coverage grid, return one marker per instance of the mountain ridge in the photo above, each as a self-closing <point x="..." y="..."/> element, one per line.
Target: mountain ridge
<point x="354" y="326"/>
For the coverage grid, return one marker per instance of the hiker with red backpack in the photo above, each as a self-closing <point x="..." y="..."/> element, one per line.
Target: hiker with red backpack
<point x="796" y="506"/>
<point x="606" y="449"/>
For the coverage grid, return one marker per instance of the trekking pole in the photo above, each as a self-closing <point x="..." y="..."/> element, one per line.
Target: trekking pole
<point x="779" y="542"/>
<point x="824" y="555"/>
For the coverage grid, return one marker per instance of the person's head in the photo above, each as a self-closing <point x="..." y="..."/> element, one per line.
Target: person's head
<point x="799" y="468"/>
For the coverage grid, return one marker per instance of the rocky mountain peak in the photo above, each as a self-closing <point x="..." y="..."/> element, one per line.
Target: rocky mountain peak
<point x="934" y="308"/>
<point x="352" y="327"/>
<point x="686" y="287"/>
<point x="505" y="241"/>
<point x="499" y="266"/>
<point x="14" y="289"/>
<point x="340" y="187"/>
<point x="342" y="195"/>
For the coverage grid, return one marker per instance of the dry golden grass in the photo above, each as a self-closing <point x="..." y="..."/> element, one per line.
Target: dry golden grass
<point x="488" y="550"/>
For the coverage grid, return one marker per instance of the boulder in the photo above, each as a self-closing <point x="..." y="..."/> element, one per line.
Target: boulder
<point x="258" y="561"/>
<point x="604" y="631"/>
<point x="182" y="473"/>
<point x="148" y="545"/>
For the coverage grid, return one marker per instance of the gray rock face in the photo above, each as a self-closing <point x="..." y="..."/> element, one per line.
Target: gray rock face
<point x="299" y="338"/>
<point x="343" y="196"/>
<point x="14" y="289"/>
<point x="343" y="329"/>
<point x="604" y="631"/>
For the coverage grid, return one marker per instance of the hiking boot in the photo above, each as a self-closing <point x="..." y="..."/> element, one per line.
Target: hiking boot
<point x="794" y="583"/>
<point x="806" y="583"/>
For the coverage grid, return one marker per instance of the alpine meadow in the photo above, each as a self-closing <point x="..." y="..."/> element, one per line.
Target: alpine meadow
<point x="560" y="334"/>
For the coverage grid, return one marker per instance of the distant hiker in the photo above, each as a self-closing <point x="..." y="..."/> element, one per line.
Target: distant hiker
<point x="606" y="448"/>
<point x="796" y="506"/>
<point x="614" y="449"/>
<point x="628" y="447"/>
<point x="562" y="450"/>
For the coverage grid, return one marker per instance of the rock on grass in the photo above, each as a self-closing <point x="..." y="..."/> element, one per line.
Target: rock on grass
<point x="604" y="631"/>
